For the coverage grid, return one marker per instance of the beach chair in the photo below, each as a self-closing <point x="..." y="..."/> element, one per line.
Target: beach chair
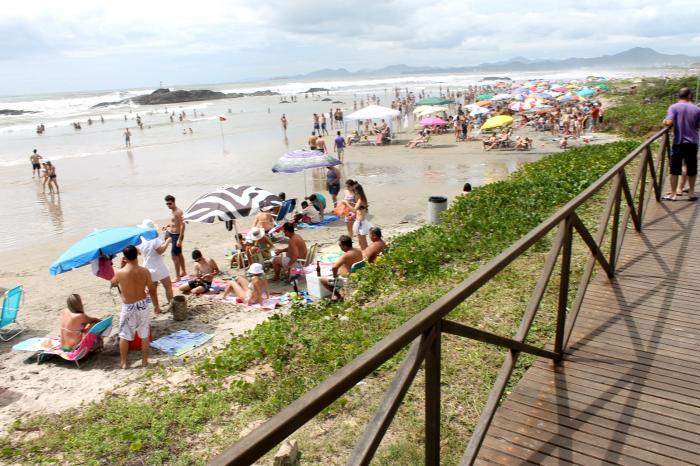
<point x="10" y="308"/>
<point x="297" y="271"/>
<point x="286" y="208"/>
<point x="341" y="282"/>
<point x="91" y="341"/>
<point x="425" y="144"/>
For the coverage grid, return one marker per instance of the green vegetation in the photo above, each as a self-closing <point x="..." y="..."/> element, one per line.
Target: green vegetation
<point x="639" y="111"/>
<point x="261" y="372"/>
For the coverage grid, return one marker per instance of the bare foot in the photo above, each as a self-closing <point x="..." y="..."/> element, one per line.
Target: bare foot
<point x="123" y="366"/>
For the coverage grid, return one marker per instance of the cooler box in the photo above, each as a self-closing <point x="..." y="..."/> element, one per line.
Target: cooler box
<point x="314" y="287"/>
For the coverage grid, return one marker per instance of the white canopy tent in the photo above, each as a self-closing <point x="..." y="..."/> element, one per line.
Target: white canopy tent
<point x="374" y="112"/>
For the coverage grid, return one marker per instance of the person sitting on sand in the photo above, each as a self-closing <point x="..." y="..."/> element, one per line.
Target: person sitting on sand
<point x="564" y="143"/>
<point x="319" y="201"/>
<point x="353" y="137"/>
<point x="309" y="214"/>
<point x="296" y="249"/>
<point x="520" y="143"/>
<point x="376" y="247"/>
<point x="343" y="265"/>
<point x="250" y="292"/>
<point x="74" y="323"/>
<point x="422" y="139"/>
<point x="205" y="270"/>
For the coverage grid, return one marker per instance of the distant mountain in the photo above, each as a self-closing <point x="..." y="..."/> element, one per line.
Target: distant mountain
<point x="637" y="57"/>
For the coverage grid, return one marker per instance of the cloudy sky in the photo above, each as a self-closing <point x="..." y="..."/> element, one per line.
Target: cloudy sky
<point x="64" y="45"/>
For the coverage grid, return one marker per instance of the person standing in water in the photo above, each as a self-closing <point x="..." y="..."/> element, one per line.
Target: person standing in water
<point x="35" y="159"/>
<point x="176" y="231"/>
<point x="127" y="137"/>
<point x="51" y="173"/>
<point x="284" y="122"/>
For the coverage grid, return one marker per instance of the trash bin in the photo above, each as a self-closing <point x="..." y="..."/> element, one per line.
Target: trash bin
<point x="436" y="204"/>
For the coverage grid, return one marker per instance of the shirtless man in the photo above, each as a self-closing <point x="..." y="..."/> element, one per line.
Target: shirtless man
<point x="135" y="318"/>
<point x="205" y="270"/>
<point x="344" y="263"/>
<point x="312" y="141"/>
<point x="321" y="144"/>
<point x="176" y="230"/>
<point x="284" y="122"/>
<point x="35" y="159"/>
<point x="265" y="220"/>
<point x="378" y="245"/>
<point x="296" y="249"/>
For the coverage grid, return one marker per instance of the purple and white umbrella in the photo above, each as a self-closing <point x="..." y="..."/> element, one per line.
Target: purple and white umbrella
<point x="301" y="160"/>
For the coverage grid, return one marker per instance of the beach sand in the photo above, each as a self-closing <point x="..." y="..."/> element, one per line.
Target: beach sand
<point x="398" y="182"/>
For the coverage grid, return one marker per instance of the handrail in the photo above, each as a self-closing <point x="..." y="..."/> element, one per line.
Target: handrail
<point x="424" y="329"/>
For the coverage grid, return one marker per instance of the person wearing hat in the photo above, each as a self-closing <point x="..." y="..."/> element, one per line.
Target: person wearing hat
<point x="250" y="292"/>
<point x="152" y="251"/>
<point x="259" y="243"/>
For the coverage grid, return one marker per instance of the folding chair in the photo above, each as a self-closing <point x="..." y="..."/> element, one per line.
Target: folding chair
<point x="340" y="282"/>
<point x="10" y="308"/>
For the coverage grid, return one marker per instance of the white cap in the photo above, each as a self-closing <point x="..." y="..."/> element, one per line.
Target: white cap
<point x="256" y="269"/>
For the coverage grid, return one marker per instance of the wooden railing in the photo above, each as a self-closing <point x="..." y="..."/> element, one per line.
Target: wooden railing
<point x="424" y="331"/>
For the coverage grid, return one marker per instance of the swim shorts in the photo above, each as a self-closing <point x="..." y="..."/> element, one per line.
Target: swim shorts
<point x="135" y="318"/>
<point x="361" y="227"/>
<point x="684" y="152"/>
<point x="197" y="282"/>
<point x="36" y="166"/>
<point x="175" y="250"/>
<point x="334" y="189"/>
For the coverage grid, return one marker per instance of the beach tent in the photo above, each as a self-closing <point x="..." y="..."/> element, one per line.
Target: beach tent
<point x="434" y="101"/>
<point x="373" y="112"/>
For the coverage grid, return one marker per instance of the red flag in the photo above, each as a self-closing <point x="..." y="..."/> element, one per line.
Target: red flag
<point x="222" y="118"/>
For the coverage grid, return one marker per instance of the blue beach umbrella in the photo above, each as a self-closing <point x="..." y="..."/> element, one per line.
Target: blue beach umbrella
<point x="586" y="92"/>
<point x="105" y="242"/>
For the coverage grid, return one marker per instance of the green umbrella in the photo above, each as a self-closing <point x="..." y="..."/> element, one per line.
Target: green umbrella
<point x="604" y="87"/>
<point x="434" y="101"/>
<point x="484" y="97"/>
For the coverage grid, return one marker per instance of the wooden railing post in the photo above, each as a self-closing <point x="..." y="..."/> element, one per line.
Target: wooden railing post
<point x="642" y="186"/>
<point x="614" y="231"/>
<point x="432" y="399"/>
<point x="567" y="225"/>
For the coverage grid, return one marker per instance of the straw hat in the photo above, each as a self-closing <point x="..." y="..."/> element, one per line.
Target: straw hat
<point x="148" y="224"/>
<point x="255" y="234"/>
<point x="256" y="269"/>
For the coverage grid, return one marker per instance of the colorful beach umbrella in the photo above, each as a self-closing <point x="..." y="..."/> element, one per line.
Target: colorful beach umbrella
<point x="483" y="103"/>
<point x="301" y="160"/>
<point x="432" y="121"/>
<point x="502" y="97"/>
<point x="585" y="92"/>
<point x="604" y="87"/>
<point x="101" y="242"/>
<point x="230" y="202"/>
<point x="497" y="121"/>
<point x="476" y="110"/>
<point x="484" y="97"/>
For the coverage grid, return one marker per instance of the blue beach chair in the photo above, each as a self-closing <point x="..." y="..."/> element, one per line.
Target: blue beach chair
<point x="10" y="308"/>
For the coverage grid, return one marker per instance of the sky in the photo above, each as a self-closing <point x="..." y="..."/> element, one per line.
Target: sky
<point x="62" y="45"/>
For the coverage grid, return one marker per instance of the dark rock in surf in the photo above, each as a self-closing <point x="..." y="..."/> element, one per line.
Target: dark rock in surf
<point x="12" y="112"/>
<point x="166" y="96"/>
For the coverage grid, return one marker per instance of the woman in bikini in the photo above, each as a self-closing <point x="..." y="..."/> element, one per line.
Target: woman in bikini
<point x="361" y="226"/>
<point x="74" y="323"/>
<point x="346" y="206"/>
<point x="250" y="292"/>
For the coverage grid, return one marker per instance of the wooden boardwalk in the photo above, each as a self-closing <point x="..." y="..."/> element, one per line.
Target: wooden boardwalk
<point x="628" y="390"/>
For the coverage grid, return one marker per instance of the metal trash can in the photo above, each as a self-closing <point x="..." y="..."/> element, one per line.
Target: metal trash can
<point x="436" y="204"/>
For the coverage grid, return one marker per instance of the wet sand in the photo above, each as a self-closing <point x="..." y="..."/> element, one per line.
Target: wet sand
<point x="397" y="180"/>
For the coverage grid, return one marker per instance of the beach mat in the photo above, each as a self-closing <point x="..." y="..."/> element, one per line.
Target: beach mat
<point x="180" y="342"/>
<point x="217" y="286"/>
<point x="312" y="226"/>
<point x="268" y="304"/>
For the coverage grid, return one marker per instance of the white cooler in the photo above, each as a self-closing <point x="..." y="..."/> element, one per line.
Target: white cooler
<point x="314" y="287"/>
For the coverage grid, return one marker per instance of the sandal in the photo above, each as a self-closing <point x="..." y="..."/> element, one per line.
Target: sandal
<point x="668" y="198"/>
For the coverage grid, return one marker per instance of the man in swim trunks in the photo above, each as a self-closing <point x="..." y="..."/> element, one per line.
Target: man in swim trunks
<point x="312" y="141"/>
<point x="205" y="270"/>
<point x="135" y="318"/>
<point x="333" y="183"/>
<point x="176" y="230"/>
<point x="296" y="249"/>
<point x="35" y="159"/>
<point x="127" y="136"/>
<point x="343" y="265"/>
<point x="321" y="144"/>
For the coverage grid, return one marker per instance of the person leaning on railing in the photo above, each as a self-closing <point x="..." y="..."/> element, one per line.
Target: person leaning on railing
<point x="684" y="116"/>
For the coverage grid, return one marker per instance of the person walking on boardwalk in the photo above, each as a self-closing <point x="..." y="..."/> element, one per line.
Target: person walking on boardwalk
<point x="684" y="116"/>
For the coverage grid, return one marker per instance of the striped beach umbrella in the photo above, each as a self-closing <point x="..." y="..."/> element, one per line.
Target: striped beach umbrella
<point x="230" y="202"/>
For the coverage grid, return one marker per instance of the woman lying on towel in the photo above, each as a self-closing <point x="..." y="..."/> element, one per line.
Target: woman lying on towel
<point x="250" y="292"/>
<point x="74" y="323"/>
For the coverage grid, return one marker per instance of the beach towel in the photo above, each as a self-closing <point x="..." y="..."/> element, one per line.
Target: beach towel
<point x="311" y="226"/>
<point x="180" y="342"/>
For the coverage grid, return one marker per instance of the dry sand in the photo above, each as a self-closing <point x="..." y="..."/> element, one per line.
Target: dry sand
<point x="397" y="180"/>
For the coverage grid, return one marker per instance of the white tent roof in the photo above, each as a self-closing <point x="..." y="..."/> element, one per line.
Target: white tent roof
<point x="373" y="112"/>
